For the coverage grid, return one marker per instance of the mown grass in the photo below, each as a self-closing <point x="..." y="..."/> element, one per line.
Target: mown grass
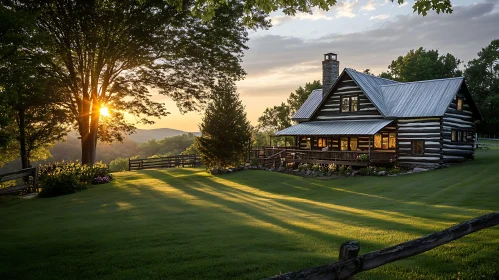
<point x="186" y="224"/>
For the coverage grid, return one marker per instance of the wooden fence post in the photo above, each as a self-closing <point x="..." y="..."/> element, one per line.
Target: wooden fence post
<point x="349" y="250"/>
<point x="129" y="165"/>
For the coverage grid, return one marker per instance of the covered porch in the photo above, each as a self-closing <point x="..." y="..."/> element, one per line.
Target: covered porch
<point x="355" y="143"/>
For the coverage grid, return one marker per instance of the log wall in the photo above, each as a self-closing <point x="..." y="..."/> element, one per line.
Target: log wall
<point x="455" y="120"/>
<point x="423" y="129"/>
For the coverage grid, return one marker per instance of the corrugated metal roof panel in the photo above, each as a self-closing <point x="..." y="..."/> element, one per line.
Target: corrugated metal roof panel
<point x="307" y="109"/>
<point x="369" y="127"/>
<point x="371" y="86"/>
<point x="420" y="99"/>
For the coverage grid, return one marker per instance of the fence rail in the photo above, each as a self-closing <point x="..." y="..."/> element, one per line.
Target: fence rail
<point x="350" y="264"/>
<point x="165" y="162"/>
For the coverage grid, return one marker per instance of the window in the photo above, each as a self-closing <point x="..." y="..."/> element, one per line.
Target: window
<point x="418" y="147"/>
<point x="349" y="143"/>
<point x="307" y="142"/>
<point x="392" y="141"/>
<point x="354" y="143"/>
<point x="350" y="104"/>
<point x="322" y="142"/>
<point x="461" y="136"/>
<point x="385" y="141"/>
<point x="344" y="143"/>
<point x="377" y="141"/>
<point x="355" y="103"/>
<point x="345" y="104"/>
<point x="459" y="104"/>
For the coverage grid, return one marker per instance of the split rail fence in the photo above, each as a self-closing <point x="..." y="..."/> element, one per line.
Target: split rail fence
<point x="351" y="264"/>
<point x="165" y="162"/>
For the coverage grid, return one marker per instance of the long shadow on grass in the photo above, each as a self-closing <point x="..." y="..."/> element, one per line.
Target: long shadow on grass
<point x="248" y="203"/>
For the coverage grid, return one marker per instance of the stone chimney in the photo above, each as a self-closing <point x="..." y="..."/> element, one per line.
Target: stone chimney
<point x="330" y="72"/>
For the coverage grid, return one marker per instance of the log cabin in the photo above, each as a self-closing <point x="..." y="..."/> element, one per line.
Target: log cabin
<point x="360" y="119"/>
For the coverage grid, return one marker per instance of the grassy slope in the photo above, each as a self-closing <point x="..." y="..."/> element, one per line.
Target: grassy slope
<point x="184" y="224"/>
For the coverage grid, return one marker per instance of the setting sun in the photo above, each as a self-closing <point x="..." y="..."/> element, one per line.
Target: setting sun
<point x="104" y="111"/>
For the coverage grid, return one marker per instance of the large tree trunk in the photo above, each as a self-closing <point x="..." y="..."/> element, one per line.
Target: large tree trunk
<point x="22" y="139"/>
<point x="88" y="131"/>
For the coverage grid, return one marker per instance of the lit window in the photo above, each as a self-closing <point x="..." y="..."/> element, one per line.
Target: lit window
<point x="353" y="143"/>
<point x="384" y="141"/>
<point x="344" y="143"/>
<point x="454" y="136"/>
<point x="418" y="147"/>
<point x="322" y="142"/>
<point x="459" y="136"/>
<point x="459" y="104"/>
<point x="392" y="140"/>
<point x="377" y="141"/>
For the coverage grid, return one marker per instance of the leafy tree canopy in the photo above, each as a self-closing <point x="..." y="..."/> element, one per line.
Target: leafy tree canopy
<point x="279" y="117"/>
<point x="30" y="93"/>
<point x="298" y="97"/>
<point x="421" y="64"/>
<point x="482" y="78"/>
<point x="207" y="8"/>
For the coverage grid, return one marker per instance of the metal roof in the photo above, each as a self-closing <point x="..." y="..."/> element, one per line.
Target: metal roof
<point x="371" y="86"/>
<point x="369" y="127"/>
<point x="307" y="109"/>
<point x="420" y="99"/>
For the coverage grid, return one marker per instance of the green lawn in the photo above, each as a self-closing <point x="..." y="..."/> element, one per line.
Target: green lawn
<point x="185" y="224"/>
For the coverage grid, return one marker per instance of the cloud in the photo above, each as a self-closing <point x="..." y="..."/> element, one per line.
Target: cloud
<point x="379" y="17"/>
<point x="283" y="63"/>
<point x="370" y="6"/>
<point x="404" y="4"/>
<point x="342" y="9"/>
<point x="316" y="14"/>
<point x="345" y="8"/>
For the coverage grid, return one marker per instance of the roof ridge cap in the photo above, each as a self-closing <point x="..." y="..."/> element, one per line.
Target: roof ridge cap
<point x="370" y="75"/>
<point x="423" y="81"/>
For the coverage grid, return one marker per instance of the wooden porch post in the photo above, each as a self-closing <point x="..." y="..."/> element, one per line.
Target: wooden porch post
<point x="369" y="148"/>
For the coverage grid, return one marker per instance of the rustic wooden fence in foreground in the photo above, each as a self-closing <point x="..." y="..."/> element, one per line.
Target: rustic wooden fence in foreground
<point x="351" y="264"/>
<point x="164" y="162"/>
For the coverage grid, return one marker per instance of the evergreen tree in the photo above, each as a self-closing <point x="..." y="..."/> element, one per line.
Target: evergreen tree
<point x="225" y="130"/>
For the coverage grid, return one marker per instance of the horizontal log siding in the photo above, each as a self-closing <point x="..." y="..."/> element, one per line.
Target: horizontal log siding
<point x="459" y="121"/>
<point x="330" y="110"/>
<point x="426" y="129"/>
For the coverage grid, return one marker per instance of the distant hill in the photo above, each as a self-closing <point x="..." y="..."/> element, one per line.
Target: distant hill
<point x="144" y="135"/>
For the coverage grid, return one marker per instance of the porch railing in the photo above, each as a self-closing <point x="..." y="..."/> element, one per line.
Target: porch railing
<point x="291" y="154"/>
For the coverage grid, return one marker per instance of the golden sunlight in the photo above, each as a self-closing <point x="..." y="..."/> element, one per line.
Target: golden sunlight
<point x="104" y="111"/>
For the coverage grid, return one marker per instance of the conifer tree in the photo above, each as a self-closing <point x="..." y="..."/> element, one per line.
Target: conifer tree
<point x="225" y="130"/>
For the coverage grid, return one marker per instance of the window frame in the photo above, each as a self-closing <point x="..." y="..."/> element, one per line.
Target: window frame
<point x="349" y="98"/>
<point x="414" y="147"/>
<point x="348" y="143"/>
<point x="323" y="140"/>
<point x="385" y="136"/>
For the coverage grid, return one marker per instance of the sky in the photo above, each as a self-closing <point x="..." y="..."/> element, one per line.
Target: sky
<point x="366" y="34"/>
